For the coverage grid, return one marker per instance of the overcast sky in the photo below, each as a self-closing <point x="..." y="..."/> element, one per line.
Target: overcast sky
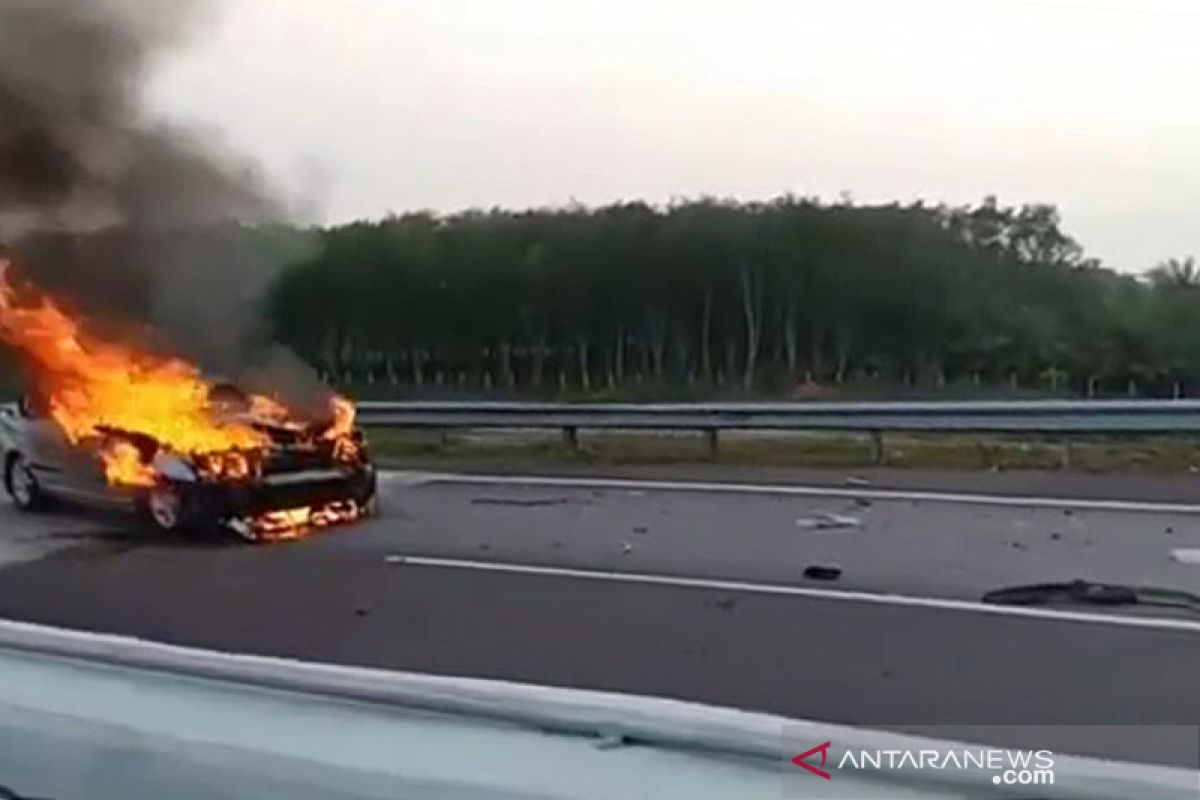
<point x="361" y="107"/>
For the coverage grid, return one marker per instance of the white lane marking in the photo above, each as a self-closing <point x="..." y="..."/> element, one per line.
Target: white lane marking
<point x="653" y="579"/>
<point x="1010" y="501"/>
<point x="404" y="477"/>
<point x="1186" y="555"/>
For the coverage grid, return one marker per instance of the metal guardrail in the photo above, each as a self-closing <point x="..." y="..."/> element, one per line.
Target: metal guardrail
<point x="1060" y="418"/>
<point x="109" y="717"/>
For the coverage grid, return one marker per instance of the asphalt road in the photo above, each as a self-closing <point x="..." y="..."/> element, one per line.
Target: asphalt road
<point x="1174" y="487"/>
<point x="347" y="596"/>
<point x="883" y="541"/>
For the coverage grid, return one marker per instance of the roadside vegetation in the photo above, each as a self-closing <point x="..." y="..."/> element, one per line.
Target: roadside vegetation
<point x="789" y="298"/>
<point x="427" y="449"/>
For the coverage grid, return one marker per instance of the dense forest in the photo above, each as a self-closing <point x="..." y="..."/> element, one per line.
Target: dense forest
<point x="707" y="296"/>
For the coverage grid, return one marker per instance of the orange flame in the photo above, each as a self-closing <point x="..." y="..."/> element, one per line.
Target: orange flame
<point x="293" y="522"/>
<point x="123" y="465"/>
<point x="345" y="448"/>
<point x="96" y="389"/>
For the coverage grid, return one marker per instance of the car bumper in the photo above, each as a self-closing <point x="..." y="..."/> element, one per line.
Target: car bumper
<point x="284" y="491"/>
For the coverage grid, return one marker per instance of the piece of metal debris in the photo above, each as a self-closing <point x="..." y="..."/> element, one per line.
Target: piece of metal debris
<point x="822" y="572"/>
<point x="626" y="548"/>
<point x="825" y="520"/>
<point x="1186" y="555"/>
<point x="520" y="502"/>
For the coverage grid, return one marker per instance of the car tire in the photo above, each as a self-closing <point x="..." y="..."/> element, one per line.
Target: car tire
<point x="165" y="507"/>
<point x="22" y="485"/>
<point x="368" y="501"/>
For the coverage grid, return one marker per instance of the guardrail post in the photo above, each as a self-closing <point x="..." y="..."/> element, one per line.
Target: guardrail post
<point x="878" y="454"/>
<point x="1066" y="456"/>
<point x="713" y="435"/>
<point x="570" y="435"/>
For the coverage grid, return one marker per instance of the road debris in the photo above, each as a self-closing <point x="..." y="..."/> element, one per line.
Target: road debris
<point x="822" y="572"/>
<point x="1186" y="555"/>
<point x="519" y="501"/>
<point x="640" y="529"/>
<point x="1081" y="591"/>
<point x="825" y="521"/>
<point x="855" y="480"/>
<point x="626" y="548"/>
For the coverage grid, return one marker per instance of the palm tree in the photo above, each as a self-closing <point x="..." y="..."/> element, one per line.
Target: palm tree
<point x="1176" y="273"/>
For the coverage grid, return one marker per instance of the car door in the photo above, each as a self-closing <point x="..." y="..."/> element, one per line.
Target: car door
<point x="60" y="466"/>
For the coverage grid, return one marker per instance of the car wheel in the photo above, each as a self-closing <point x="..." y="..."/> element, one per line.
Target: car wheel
<point x="164" y="508"/>
<point x="368" y="501"/>
<point x="22" y="485"/>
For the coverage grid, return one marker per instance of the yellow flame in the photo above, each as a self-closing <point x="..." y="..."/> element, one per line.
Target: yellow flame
<point x="93" y="385"/>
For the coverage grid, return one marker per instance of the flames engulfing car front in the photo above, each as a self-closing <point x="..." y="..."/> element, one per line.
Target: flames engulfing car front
<point x="305" y="478"/>
<point x="110" y="418"/>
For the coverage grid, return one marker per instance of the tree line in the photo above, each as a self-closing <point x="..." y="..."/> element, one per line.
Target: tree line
<point x="748" y="296"/>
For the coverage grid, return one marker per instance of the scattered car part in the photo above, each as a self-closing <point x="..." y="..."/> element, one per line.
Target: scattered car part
<point x="822" y="572"/>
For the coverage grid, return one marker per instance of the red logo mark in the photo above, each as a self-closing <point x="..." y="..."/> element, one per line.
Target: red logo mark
<point x="823" y="749"/>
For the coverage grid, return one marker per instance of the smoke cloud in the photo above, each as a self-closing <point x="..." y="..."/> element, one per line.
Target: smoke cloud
<point x="124" y="214"/>
<point x="76" y="150"/>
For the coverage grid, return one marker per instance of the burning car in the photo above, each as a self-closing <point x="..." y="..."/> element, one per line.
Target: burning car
<point x="107" y="422"/>
<point x="296" y="480"/>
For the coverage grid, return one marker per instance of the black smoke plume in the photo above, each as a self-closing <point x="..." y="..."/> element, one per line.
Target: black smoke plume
<point x="125" y="215"/>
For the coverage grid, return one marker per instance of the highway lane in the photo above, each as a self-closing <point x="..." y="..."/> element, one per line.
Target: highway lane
<point x="883" y="541"/>
<point x="1179" y="487"/>
<point x="929" y="544"/>
<point x="870" y="664"/>
<point x="348" y="596"/>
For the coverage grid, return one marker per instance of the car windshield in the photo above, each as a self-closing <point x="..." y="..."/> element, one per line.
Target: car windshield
<point x="524" y="398"/>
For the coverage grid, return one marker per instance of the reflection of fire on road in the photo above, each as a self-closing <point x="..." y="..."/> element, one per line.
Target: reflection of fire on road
<point x="130" y="406"/>
<point x="289" y="523"/>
